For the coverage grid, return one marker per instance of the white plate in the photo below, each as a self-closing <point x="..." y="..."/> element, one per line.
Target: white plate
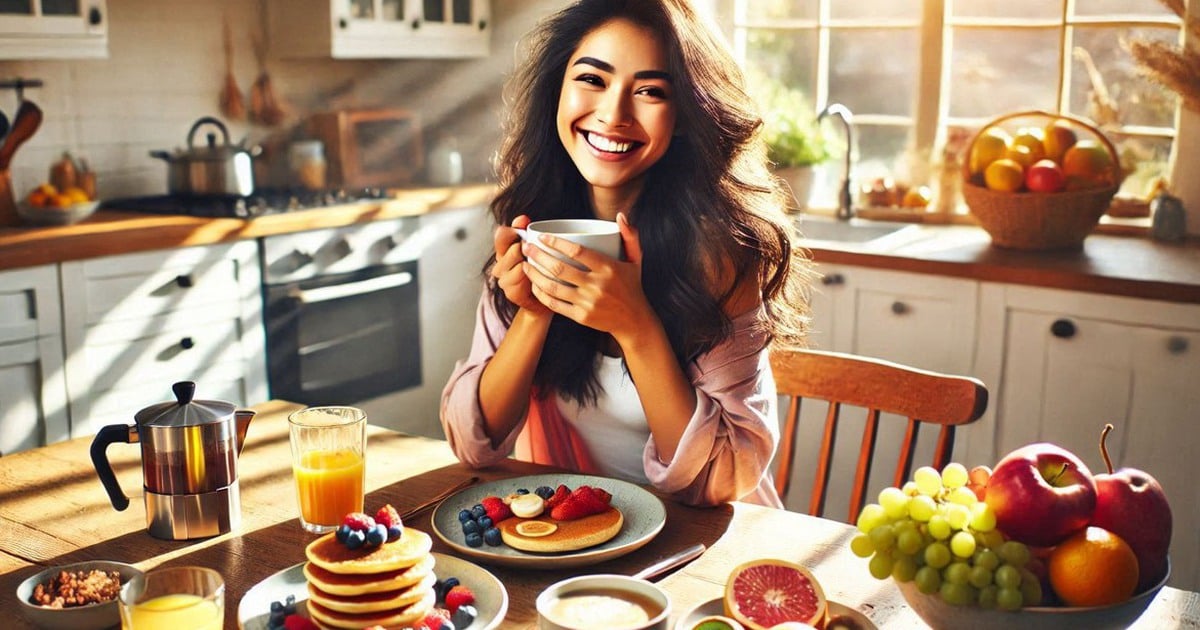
<point x="644" y="516"/>
<point x="491" y="599"/>
<point x="717" y="607"/>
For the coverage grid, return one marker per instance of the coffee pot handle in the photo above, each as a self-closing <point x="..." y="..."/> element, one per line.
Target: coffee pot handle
<point x="108" y="435"/>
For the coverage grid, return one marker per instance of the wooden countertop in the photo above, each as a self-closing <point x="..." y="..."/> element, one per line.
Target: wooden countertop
<point x="1122" y="265"/>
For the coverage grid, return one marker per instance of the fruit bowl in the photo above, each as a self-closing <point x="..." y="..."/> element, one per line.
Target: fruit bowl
<point x="939" y="614"/>
<point x="49" y="216"/>
<point x="1025" y="219"/>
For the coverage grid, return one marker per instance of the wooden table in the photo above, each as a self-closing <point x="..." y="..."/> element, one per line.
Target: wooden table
<point x="53" y="511"/>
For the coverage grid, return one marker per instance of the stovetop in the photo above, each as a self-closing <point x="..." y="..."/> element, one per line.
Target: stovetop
<point x="264" y="201"/>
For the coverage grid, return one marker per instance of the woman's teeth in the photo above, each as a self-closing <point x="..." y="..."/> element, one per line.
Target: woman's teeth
<point x="604" y="144"/>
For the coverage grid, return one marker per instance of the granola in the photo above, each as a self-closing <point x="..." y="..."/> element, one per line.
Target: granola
<point x="77" y="588"/>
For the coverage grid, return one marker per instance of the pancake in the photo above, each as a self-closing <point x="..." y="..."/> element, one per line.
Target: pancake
<point x="329" y="554"/>
<point x="362" y="583"/>
<point x="570" y="535"/>
<point x="401" y="617"/>
<point x="373" y="602"/>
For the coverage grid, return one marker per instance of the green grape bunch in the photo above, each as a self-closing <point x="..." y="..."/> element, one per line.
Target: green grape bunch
<point x="936" y="532"/>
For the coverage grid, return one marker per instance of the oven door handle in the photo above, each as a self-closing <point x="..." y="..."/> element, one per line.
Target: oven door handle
<point x="339" y="291"/>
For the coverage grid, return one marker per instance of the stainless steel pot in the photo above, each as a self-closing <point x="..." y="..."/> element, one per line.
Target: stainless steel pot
<point x="210" y="169"/>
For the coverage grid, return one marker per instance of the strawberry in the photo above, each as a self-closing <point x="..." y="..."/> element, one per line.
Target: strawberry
<point x="584" y="501"/>
<point x="458" y="596"/>
<point x="604" y="495"/>
<point x="358" y="521"/>
<point x="559" y="495"/>
<point x="433" y="620"/>
<point x="296" y="622"/>
<point x="496" y="508"/>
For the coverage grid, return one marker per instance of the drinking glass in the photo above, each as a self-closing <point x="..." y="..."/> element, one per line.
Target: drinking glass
<point x="173" y="598"/>
<point x="329" y="447"/>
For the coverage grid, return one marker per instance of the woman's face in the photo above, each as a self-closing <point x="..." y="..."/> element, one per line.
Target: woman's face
<point x="616" y="112"/>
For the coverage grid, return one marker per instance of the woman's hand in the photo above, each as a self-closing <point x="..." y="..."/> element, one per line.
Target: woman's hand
<point x="607" y="296"/>
<point x="508" y="270"/>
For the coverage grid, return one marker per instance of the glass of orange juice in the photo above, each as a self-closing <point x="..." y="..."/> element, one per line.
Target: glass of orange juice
<point x="329" y="462"/>
<point x="174" y="598"/>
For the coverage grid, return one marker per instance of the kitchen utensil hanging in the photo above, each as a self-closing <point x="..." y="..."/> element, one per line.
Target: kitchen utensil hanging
<point x="265" y="106"/>
<point x="232" y="105"/>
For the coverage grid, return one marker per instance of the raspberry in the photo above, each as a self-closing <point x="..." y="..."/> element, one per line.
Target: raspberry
<point x="496" y="508"/>
<point x="458" y="596"/>
<point x="434" y="620"/>
<point x="296" y="622"/>
<point x="358" y="521"/>
<point x="388" y="516"/>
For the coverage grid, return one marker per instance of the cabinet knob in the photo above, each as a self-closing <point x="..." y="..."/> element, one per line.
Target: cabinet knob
<point x="94" y="16"/>
<point x="184" y="281"/>
<point x="343" y="23"/>
<point x="482" y="25"/>
<point x="187" y="343"/>
<point x="832" y="279"/>
<point x="416" y="24"/>
<point x="1177" y="344"/>
<point x="1063" y="328"/>
<point x="899" y="308"/>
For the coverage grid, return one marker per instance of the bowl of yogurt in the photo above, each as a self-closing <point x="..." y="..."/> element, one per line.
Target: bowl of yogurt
<point x="608" y="602"/>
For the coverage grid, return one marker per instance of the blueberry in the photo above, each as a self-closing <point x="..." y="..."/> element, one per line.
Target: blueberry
<point x="464" y="516"/>
<point x="463" y="616"/>
<point x="355" y="539"/>
<point x="276" y="606"/>
<point x="342" y="530"/>
<point x="289" y="605"/>
<point x="442" y="586"/>
<point x="474" y="540"/>
<point x="377" y="535"/>
<point x="484" y="522"/>
<point x="276" y="619"/>
<point x="491" y="536"/>
<point x="544" y="491"/>
<point x="445" y="625"/>
<point x="394" y="532"/>
<point x="522" y="490"/>
<point x="472" y="527"/>
<point x="478" y="511"/>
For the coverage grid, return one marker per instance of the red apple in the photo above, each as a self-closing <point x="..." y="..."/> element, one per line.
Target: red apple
<point x="1041" y="493"/>
<point x="1045" y="176"/>
<point x="1131" y="504"/>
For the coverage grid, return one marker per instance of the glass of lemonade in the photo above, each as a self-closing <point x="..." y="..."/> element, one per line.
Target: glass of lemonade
<point x="174" y="598"/>
<point x="329" y="461"/>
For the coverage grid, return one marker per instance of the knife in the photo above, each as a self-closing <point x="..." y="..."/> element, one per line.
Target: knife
<point x="670" y="562"/>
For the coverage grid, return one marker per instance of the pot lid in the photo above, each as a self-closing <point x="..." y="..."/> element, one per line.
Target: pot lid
<point x="184" y="411"/>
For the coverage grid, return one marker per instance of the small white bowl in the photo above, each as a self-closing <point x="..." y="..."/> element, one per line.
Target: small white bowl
<point x="630" y="590"/>
<point x="89" y="617"/>
<point x="34" y="215"/>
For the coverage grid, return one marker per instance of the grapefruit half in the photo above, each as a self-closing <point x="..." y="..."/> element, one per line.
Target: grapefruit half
<point x="768" y="592"/>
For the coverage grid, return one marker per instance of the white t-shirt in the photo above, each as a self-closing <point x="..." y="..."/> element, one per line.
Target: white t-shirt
<point x="615" y="428"/>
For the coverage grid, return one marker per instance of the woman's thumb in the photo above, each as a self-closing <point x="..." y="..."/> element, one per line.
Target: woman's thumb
<point x="629" y="238"/>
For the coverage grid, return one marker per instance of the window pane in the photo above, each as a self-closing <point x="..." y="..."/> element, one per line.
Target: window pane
<point x="788" y="56"/>
<point x="874" y="71"/>
<point x="1138" y="100"/>
<point x="1028" y="9"/>
<point x="878" y="10"/>
<point x="994" y="71"/>
<point x="1121" y="7"/>
<point x="776" y="9"/>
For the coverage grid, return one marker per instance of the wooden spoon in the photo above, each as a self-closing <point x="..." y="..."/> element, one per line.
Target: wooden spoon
<point x="24" y="125"/>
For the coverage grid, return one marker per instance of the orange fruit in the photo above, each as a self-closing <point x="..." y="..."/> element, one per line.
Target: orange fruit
<point x="765" y="593"/>
<point x="1022" y="155"/>
<point x="1030" y="138"/>
<point x="1059" y="136"/>
<point x="1087" y="164"/>
<point x="1094" y="567"/>
<point x="1004" y="175"/>
<point x="987" y="148"/>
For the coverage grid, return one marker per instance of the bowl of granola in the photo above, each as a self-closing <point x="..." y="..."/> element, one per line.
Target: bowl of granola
<point x="80" y="596"/>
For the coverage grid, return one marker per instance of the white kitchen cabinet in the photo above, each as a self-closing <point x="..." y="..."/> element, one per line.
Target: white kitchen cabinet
<point x="451" y="246"/>
<point x="54" y="29"/>
<point x="33" y="396"/>
<point x="375" y="29"/>
<point x="1075" y="361"/>
<point x="921" y="320"/>
<point x="135" y="324"/>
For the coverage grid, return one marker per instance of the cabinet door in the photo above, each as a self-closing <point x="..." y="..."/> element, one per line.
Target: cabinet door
<point x="53" y="29"/>
<point x="33" y="398"/>
<point x="379" y="29"/>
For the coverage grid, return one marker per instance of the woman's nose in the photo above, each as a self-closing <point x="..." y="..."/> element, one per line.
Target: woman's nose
<point x="615" y="109"/>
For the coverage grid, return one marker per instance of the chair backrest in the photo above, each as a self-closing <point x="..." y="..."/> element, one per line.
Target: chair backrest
<point x="880" y="387"/>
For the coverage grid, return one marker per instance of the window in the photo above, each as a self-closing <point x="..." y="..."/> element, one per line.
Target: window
<point x="911" y="70"/>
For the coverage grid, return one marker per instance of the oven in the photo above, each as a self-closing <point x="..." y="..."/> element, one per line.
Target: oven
<point x="342" y="313"/>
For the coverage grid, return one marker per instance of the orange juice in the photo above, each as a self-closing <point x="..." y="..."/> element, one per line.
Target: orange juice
<point x="330" y="485"/>
<point x="174" y="612"/>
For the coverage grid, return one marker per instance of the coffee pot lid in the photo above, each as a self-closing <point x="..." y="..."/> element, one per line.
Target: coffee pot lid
<point x="184" y="411"/>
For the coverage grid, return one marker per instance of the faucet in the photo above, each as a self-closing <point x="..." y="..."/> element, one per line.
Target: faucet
<point x="845" y="208"/>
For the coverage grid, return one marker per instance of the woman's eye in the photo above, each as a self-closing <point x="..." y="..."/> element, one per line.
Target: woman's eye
<point x="590" y="79"/>
<point x="654" y="92"/>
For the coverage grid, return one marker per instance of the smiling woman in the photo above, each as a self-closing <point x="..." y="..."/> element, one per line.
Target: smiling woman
<point x="649" y="366"/>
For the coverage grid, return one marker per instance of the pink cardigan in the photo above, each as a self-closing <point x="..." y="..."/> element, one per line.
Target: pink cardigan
<point x="723" y="455"/>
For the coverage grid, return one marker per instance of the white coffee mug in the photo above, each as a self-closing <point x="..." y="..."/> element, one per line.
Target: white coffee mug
<point x="598" y="234"/>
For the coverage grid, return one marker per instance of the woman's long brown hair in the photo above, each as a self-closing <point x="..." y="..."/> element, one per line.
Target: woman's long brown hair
<point x="710" y="203"/>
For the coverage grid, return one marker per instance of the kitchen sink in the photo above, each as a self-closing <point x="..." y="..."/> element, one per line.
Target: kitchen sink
<point x="852" y="231"/>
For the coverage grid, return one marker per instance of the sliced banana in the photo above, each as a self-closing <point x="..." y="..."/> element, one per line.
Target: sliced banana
<point x="527" y="505"/>
<point x="536" y="529"/>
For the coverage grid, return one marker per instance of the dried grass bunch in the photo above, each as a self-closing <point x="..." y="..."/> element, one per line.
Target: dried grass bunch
<point x="1175" y="67"/>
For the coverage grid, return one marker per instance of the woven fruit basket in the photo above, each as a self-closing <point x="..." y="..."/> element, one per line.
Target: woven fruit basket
<point x="1024" y="219"/>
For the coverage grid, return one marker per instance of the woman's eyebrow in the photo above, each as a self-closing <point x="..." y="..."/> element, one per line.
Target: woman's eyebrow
<point x="608" y="67"/>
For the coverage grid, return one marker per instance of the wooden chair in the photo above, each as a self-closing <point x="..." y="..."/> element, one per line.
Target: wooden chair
<point x="879" y="387"/>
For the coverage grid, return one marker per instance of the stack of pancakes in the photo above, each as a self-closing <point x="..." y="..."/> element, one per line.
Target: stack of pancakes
<point x="389" y="585"/>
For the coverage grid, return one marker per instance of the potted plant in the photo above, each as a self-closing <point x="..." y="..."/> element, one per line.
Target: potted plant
<point x="794" y="139"/>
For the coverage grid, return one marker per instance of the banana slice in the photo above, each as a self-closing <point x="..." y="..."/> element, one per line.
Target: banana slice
<point x="536" y="529"/>
<point x="527" y="505"/>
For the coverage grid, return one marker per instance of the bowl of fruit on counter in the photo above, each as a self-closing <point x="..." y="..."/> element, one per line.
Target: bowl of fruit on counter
<point x="1035" y="541"/>
<point x="49" y="205"/>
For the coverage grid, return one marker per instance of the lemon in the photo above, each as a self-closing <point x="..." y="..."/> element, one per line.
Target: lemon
<point x="1004" y="175"/>
<point x="990" y="146"/>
